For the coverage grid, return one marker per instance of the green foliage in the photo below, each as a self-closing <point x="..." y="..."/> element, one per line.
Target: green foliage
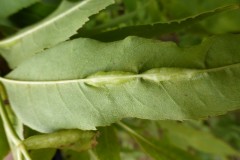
<point x="9" y="7"/>
<point x="171" y="88"/>
<point x="108" y="147"/>
<point x="40" y="154"/>
<point x="155" y="29"/>
<point x="227" y="22"/>
<point x="61" y="79"/>
<point x="184" y="135"/>
<point x="31" y="40"/>
<point x="4" y="147"/>
<point x="157" y="149"/>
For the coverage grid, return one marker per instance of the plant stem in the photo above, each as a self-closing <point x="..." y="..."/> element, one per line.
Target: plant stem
<point x="10" y="132"/>
<point x="132" y="132"/>
<point x="93" y="155"/>
<point x="19" y="155"/>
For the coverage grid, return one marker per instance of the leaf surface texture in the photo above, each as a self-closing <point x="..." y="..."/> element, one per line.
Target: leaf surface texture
<point x="84" y="83"/>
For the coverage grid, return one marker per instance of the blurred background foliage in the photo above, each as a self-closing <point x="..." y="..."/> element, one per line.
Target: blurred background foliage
<point x="217" y="138"/>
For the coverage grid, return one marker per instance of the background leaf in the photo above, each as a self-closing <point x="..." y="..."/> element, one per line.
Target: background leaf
<point x="153" y="30"/>
<point x="34" y="13"/>
<point x="108" y="146"/>
<point x="227" y="127"/>
<point x="4" y="147"/>
<point x="158" y="150"/>
<point x="9" y="7"/>
<point x="46" y="154"/>
<point x="56" y="28"/>
<point x="224" y="23"/>
<point x="200" y="140"/>
<point x="71" y="155"/>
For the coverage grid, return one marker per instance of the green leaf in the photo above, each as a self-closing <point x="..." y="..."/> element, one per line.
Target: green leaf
<point x="9" y="7"/>
<point x="58" y="27"/>
<point x="46" y="154"/>
<point x="67" y="139"/>
<point x="227" y="127"/>
<point x="158" y="150"/>
<point x="4" y="147"/>
<point x="154" y="30"/>
<point x="108" y="146"/>
<point x="130" y="5"/>
<point x="224" y="23"/>
<point x="34" y="13"/>
<point x="85" y="83"/>
<point x="200" y="140"/>
<point x="72" y="155"/>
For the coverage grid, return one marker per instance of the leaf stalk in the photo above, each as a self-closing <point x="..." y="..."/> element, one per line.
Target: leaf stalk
<point x="10" y="132"/>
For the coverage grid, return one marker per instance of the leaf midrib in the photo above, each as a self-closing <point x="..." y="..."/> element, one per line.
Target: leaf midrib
<point x="188" y="73"/>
